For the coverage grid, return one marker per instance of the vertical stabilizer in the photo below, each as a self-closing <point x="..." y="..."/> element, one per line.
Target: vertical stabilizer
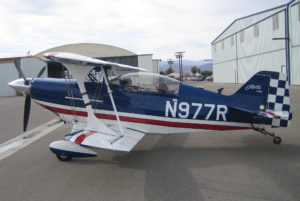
<point x="266" y="94"/>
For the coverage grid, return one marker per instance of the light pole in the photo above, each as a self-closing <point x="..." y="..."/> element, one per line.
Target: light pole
<point x="179" y="56"/>
<point x="170" y="62"/>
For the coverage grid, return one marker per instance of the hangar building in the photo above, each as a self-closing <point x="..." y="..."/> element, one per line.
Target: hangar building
<point x="267" y="40"/>
<point x="31" y="65"/>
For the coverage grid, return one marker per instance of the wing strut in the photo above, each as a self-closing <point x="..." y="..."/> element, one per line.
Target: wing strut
<point x="92" y="123"/>
<point x="112" y="100"/>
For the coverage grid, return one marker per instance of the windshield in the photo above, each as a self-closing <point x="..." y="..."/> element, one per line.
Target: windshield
<point x="147" y="82"/>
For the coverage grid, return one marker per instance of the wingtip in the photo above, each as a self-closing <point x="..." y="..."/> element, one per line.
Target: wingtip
<point x="50" y="54"/>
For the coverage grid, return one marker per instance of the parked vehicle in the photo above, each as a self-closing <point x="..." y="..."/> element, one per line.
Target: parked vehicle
<point x="209" y="78"/>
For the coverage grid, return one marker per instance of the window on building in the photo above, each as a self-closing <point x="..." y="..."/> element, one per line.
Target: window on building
<point x="299" y="12"/>
<point x="222" y="44"/>
<point x="256" y="30"/>
<point x="242" y="36"/>
<point x="232" y="40"/>
<point x="275" y="22"/>
<point x="127" y="60"/>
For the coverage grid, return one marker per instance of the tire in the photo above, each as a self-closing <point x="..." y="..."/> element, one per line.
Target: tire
<point x="277" y="140"/>
<point x="63" y="157"/>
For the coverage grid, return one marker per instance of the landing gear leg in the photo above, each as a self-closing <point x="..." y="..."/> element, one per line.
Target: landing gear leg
<point x="276" y="139"/>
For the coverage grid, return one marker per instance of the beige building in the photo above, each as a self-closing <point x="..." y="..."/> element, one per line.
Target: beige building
<point x="31" y="65"/>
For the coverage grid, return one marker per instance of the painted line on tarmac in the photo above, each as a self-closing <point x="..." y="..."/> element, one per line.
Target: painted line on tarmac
<point x="13" y="145"/>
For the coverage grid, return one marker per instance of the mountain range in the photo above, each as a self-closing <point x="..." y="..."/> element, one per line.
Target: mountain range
<point x="204" y="65"/>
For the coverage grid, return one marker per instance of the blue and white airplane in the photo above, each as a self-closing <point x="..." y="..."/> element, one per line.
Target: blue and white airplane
<point x="115" y="112"/>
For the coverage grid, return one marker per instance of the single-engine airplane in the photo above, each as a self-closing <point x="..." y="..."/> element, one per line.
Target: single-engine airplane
<point x="115" y="112"/>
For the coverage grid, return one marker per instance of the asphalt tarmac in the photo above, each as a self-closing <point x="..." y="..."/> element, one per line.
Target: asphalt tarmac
<point x="231" y="165"/>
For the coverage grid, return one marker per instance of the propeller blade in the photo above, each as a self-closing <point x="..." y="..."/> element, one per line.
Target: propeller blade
<point x="27" y="106"/>
<point x="18" y="67"/>
<point x="41" y="72"/>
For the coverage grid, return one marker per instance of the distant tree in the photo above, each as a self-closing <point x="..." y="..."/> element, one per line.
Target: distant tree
<point x="206" y="73"/>
<point x="161" y="72"/>
<point x="194" y="70"/>
<point x="199" y="70"/>
<point x="169" y="71"/>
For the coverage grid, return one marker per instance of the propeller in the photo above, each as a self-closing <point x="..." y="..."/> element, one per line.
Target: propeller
<point x="41" y="72"/>
<point x="27" y="107"/>
<point x="18" y="67"/>
<point x="27" y="104"/>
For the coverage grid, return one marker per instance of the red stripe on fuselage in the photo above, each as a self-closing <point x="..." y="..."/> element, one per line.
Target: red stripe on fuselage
<point x="169" y="123"/>
<point x="147" y="121"/>
<point x="64" y="111"/>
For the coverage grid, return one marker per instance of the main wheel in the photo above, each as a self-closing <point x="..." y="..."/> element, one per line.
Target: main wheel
<point x="63" y="157"/>
<point x="277" y="140"/>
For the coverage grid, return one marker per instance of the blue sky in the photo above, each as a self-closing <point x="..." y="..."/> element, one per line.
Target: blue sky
<point x="142" y="26"/>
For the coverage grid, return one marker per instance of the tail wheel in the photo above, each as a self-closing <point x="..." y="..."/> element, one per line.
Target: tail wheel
<point x="277" y="140"/>
<point x="63" y="157"/>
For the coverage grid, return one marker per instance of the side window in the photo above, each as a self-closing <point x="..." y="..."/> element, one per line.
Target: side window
<point x="299" y="12"/>
<point x="115" y="82"/>
<point x="275" y="22"/>
<point x="149" y="83"/>
<point x="167" y="86"/>
<point x="256" y="30"/>
<point x="242" y="36"/>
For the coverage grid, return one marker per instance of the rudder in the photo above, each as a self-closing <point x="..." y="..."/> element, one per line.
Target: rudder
<point x="278" y="101"/>
<point x="266" y="94"/>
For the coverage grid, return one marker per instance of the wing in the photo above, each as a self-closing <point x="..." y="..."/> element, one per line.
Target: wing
<point x="96" y="133"/>
<point x="70" y="58"/>
<point x="102" y="140"/>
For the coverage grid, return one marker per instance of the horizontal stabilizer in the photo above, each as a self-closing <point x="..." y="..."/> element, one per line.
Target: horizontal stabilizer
<point x="276" y="118"/>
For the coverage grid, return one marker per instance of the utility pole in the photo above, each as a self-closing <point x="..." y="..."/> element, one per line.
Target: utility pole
<point x="179" y="56"/>
<point x="170" y="62"/>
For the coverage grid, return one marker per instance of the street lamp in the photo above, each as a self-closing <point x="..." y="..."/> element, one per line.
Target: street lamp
<point x="170" y="62"/>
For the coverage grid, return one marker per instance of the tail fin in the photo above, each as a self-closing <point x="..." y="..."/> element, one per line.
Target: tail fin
<point x="267" y="95"/>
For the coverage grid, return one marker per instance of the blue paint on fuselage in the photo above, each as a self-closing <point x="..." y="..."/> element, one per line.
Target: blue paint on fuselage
<point x="57" y="91"/>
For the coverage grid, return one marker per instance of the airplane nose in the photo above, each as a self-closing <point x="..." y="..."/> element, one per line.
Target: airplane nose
<point x="19" y="85"/>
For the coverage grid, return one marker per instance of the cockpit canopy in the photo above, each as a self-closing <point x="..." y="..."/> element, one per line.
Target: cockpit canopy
<point x="146" y="82"/>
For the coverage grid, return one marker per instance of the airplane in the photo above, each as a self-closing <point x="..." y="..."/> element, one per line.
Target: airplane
<point x="113" y="106"/>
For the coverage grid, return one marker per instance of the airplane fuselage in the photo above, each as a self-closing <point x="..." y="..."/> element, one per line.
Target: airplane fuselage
<point x="191" y="110"/>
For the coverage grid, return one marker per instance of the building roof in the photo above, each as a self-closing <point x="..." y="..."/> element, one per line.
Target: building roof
<point x="89" y="49"/>
<point x="248" y="16"/>
<point x="174" y="74"/>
